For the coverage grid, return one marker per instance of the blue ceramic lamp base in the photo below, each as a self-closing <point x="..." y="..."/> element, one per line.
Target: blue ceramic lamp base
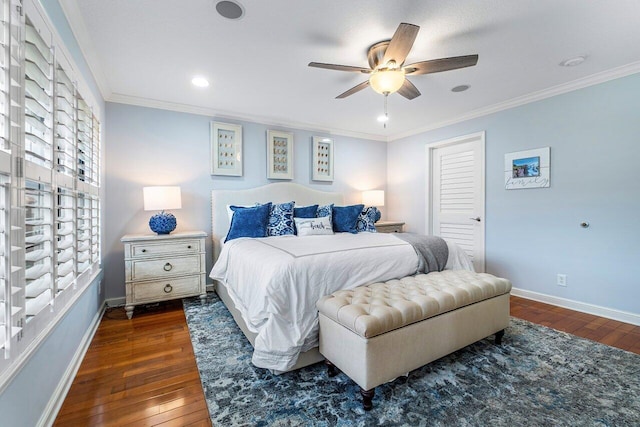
<point x="163" y="223"/>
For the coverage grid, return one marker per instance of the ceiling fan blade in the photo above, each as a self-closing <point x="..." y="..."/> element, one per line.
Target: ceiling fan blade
<point x="401" y="43"/>
<point x="353" y="90"/>
<point x="408" y="90"/>
<point x="442" y="64"/>
<point x="339" y="67"/>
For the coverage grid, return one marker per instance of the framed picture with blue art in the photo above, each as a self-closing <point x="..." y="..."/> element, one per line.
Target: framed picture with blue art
<point x="322" y="159"/>
<point x="279" y="155"/>
<point x="527" y="169"/>
<point x="226" y="149"/>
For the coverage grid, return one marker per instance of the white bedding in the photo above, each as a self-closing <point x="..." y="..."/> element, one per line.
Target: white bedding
<point x="275" y="282"/>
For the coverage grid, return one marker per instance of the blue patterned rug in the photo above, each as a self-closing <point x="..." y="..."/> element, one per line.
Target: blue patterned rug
<point x="538" y="377"/>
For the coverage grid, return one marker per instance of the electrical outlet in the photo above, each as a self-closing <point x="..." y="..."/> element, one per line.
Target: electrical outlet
<point x="562" y="280"/>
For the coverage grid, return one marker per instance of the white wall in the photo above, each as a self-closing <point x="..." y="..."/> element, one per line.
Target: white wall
<point x="148" y="146"/>
<point x="534" y="234"/>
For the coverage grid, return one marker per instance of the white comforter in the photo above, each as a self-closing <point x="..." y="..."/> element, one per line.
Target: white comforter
<point x="275" y="282"/>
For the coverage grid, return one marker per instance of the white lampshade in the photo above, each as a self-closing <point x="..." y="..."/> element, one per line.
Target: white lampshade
<point x="161" y="198"/>
<point x="387" y="80"/>
<point x="373" y="198"/>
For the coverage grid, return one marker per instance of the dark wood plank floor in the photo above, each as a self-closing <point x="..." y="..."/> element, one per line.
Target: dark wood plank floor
<point x="139" y="372"/>
<point x="142" y="372"/>
<point x="606" y="331"/>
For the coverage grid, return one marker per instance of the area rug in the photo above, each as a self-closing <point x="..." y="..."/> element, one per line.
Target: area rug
<point x="537" y="377"/>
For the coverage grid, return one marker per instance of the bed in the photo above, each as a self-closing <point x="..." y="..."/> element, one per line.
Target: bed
<point x="271" y="285"/>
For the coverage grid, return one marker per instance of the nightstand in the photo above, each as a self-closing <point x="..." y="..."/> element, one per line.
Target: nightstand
<point x="161" y="267"/>
<point x="389" y="226"/>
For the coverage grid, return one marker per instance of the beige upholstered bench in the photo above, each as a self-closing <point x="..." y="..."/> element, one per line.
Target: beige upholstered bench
<point x="378" y="332"/>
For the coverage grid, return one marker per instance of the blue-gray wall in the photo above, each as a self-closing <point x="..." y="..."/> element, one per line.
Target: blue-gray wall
<point x="149" y="146"/>
<point x="534" y="234"/>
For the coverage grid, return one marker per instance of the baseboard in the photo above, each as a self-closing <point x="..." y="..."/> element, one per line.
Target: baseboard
<point x="60" y="393"/>
<point x="609" y="313"/>
<point x="116" y="302"/>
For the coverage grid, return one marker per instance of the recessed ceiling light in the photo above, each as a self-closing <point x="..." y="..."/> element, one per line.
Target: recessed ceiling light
<point x="230" y="9"/>
<point x="572" y="62"/>
<point x="460" y="88"/>
<point x="200" y="81"/>
<point x="383" y="118"/>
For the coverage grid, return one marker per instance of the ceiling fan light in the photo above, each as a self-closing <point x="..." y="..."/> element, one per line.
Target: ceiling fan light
<point x="387" y="80"/>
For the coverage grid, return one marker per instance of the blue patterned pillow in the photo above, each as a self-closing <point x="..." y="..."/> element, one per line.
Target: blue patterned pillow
<point x="345" y="218"/>
<point x="366" y="220"/>
<point x="305" y="211"/>
<point x="281" y="219"/>
<point x="325" y="210"/>
<point x="249" y="222"/>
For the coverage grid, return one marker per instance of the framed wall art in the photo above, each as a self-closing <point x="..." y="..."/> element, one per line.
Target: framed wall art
<point x="527" y="169"/>
<point x="226" y="149"/>
<point x="322" y="159"/>
<point x="279" y="155"/>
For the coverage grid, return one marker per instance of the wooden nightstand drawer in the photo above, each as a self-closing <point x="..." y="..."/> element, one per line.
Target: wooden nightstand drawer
<point x="389" y="227"/>
<point x="166" y="289"/>
<point x="145" y="269"/>
<point x="166" y="248"/>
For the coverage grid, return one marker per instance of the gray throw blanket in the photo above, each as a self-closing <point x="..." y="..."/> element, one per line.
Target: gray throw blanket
<point x="432" y="251"/>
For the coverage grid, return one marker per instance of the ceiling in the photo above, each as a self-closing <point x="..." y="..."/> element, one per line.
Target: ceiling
<point x="145" y="52"/>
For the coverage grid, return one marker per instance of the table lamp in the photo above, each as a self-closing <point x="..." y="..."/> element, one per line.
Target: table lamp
<point x="158" y="199"/>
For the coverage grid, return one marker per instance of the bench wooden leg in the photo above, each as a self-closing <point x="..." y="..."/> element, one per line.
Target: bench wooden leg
<point x="332" y="371"/>
<point x="367" y="397"/>
<point x="499" y="336"/>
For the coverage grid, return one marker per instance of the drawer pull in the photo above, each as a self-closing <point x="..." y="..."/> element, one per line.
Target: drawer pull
<point x="168" y="266"/>
<point x="144" y="250"/>
<point x="168" y="288"/>
<point x="189" y="247"/>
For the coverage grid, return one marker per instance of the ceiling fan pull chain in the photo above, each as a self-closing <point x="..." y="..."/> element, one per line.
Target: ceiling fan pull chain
<point x="386" y="95"/>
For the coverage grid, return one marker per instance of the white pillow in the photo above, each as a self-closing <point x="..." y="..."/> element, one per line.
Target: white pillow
<point x="313" y="226"/>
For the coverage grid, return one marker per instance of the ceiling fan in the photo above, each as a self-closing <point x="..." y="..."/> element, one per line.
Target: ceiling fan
<point x="387" y="70"/>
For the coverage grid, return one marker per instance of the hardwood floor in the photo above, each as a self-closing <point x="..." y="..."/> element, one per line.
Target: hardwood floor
<point x="606" y="331"/>
<point x="142" y="372"/>
<point x="139" y="372"/>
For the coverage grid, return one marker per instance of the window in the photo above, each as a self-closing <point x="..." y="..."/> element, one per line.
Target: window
<point x="49" y="183"/>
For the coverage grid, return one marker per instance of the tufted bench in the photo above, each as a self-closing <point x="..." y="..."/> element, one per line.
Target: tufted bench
<point x="378" y="332"/>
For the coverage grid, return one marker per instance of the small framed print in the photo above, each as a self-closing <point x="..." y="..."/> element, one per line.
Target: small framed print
<point x="527" y="169"/>
<point x="279" y="155"/>
<point x="322" y="160"/>
<point x="226" y="149"/>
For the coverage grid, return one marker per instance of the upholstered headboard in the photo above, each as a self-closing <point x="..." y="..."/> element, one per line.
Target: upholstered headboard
<point x="278" y="193"/>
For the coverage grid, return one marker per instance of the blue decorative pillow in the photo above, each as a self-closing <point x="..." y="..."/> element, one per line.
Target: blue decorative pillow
<point x="366" y="220"/>
<point x="249" y="222"/>
<point x="281" y="219"/>
<point x="325" y="210"/>
<point x="345" y="218"/>
<point x="305" y="211"/>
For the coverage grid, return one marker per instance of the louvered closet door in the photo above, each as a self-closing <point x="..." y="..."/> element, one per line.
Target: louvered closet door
<point x="458" y="197"/>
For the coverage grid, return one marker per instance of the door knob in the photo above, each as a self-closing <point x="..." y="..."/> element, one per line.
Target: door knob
<point x="476" y="219"/>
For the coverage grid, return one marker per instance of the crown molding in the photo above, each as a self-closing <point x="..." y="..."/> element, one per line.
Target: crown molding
<point x="119" y="98"/>
<point x="594" y="79"/>
<point x="81" y="34"/>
